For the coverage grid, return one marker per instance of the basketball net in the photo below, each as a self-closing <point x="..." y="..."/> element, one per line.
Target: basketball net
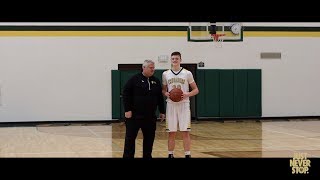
<point x="217" y="39"/>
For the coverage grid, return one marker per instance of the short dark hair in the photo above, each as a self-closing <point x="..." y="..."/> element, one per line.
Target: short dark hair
<point x="176" y="53"/>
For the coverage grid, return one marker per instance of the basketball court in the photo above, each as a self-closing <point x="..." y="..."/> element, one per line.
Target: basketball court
<point x="210" y="139"/>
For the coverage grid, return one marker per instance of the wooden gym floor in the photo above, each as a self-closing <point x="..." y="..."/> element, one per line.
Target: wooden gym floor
<point x="210" y="139"/>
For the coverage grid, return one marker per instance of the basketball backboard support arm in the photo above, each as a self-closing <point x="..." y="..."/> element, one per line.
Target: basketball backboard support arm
<point x="213" y="28"/>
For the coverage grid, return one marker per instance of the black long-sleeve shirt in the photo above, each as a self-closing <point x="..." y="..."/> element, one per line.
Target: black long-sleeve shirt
<point x="142" y="95"/>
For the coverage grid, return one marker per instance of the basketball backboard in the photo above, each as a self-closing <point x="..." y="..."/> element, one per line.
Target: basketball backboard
<point x="201" y="31"/>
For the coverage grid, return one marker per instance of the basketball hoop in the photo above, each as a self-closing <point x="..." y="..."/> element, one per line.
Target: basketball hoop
<point x="218" y="39"/>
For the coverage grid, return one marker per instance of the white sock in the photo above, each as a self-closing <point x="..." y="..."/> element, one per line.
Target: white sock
<point x="187" y="153"/>
<point x="170" y="152"/>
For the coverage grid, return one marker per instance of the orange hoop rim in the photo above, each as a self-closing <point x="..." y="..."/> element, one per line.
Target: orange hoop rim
<point x="216" y="37"/>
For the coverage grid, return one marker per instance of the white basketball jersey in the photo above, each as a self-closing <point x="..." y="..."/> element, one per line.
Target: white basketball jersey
<point x="180" y="79"/>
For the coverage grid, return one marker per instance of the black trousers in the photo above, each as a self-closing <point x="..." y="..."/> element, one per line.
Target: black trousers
<point x="148" y="127"/>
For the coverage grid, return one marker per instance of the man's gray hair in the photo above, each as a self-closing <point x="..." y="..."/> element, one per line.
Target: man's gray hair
<point x="147" y="62"/>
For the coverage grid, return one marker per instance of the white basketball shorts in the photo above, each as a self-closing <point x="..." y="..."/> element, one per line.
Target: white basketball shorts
<point x="178" y="117"/>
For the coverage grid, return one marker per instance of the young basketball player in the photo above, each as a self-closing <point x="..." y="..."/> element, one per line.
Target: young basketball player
<point x="178" y="113"/>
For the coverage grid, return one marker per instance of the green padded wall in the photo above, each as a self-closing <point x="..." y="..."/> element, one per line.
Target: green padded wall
<point x="226" y="93"/>
<point x="240" y="96"/>
<point x="254" y="93"/>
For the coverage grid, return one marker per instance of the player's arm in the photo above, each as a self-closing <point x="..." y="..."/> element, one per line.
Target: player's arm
<point x="194" y="91"/>
<point x="165" y="86"/>
<point x="165" y="91"/>
<point x="194" y="88"/>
